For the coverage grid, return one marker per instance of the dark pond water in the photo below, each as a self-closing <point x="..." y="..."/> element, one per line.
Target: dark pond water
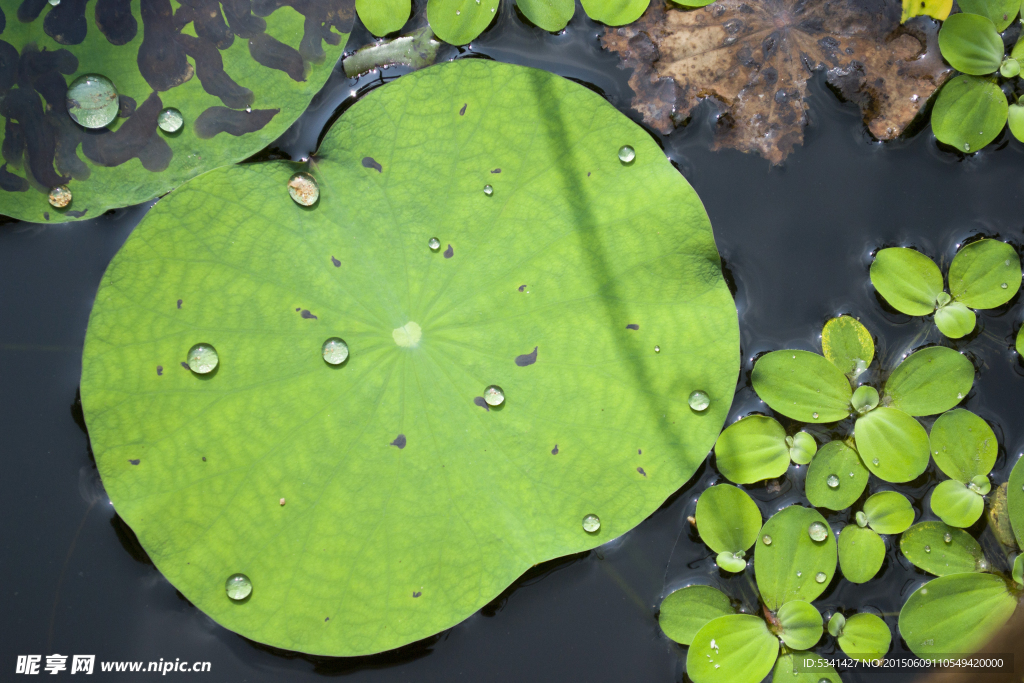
<point x="797" y="242"/>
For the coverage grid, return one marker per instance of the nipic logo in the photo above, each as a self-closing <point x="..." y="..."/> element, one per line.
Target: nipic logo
<point x="30" y="664"/>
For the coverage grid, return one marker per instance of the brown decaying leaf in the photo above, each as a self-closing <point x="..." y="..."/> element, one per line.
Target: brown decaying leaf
<point x="753" y="58"/>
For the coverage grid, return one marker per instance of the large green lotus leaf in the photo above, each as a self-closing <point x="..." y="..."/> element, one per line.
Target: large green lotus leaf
<point x="985" y="274"/>
<point x="892" y="445"/>
<point x="969" y="112"/>
<point x="956" y="505"/>
<point x="752" y="449"/>
<point x="381" y="17"/>
<point x="1015" y="501"/>
<point x="737" y="648"/>
<point x="410" y="502"/>
<point x="685" y="611"/>
<point x="460" y="21"/>
<point x="802" y="385"/>
<point x="836" y="477"/>
<point x="848" y="344"/>
<point x="550" y="15"/>
<point x="801" y="625"/>
<point x="955" y="614"/>
<point x="963" y="445"/>
<point x="861" y="553"/>
<point x="889" y="512"/>
<point x="239" y="76"/>
<point x="865" y="637"/>
<point x="804" y="667"/>
<point x="971" y="43"/>
<point x="907" y="279"/>
<point x="786" y="567"/>
<point x="925" y="545"/>
<point x="1001" y="12"/>
<point x="727" y="519"/>
<point x="615" y="12"/>
<point x="929" y="381"/>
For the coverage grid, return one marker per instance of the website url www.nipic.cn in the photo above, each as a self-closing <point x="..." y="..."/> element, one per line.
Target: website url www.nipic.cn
<point x="86" y="664"/>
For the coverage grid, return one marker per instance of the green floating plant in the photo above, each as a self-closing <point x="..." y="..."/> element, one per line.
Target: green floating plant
<point x="965" y="449"/>
<point x="984" y="274"/>
<point x="728" y="521"/>
<point x="836" y="477"/>
<point x="1015" y="501"/>
<point x="1000" y="12"/>
<point x="861" y="549"/>
<point x="756" y="448"/>
<point x="685" y="611"/>
<point x="941" y="549"/>
<point x="862" y="636"/>
<point x="848" y="344"/>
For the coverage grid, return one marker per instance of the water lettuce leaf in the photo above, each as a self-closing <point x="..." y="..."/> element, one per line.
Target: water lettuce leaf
<point x="888" y="512"/>
<point x="865" y="637"/>
<point x="787" y="567"/>
<point x="835" y="459"/>
<point x="684" y="612"/>
<point x="907" y="279"/>
<point x="848" y="344"/>
<point x="550" y="15"/>
<point x="892" y="444"/>
<point x="929" y="381"/>
<point x="752" y="449"/>
<point x="460" y="21"/>
<point x="737" y="648"/>
<point x="963" y="445"/>
<point x="727" y="519"/>
<point x="802" y="385"/>
<point x="381" y="17"/>
<point x="971" y="43"/>
<point x="925" y="545"/>
<point x="955" y="504"/>
<point x="861" y="553"/>
<point x="969" y="112"/>
<point x="801" y="625"/>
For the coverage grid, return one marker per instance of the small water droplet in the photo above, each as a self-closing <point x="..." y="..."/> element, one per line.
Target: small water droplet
<point x="203" y="359"/>
<point x="494" y="396"/>
<point x="238" y="587"/>
<point x="967" y="147"/>
<point x="248" y="110"/>
<point x="820" y="577"/>
<point x="851" y="474"/>
<point x="927" y="548"/>
<point x="817" y="531"/>
<point x="924" y="591"/>
<point x="833" y="481"/>
<point x="814" y="415"/>
<point x="92" y="101"/>
<point x="591" y="523"/>
<point x="657" y="349"/>
<point x="874" y="461"/>
<point x="948" y="538"/>
<point x="626" y="154"/>
<point x="54" y="2"/>
<point x="799" y="574"/>
<point x="170" y="120"/>
<point x="1004" y="285"/>
<point x="699" y="401"/>
<point x="794" y="356"/>
<point x="60" y="196"/>
<point x="982" y="564"/>
<point x="958" y="395"/>
<point x="303" y="189"/>
<point x="825" y="680"/>
<point x="488" y="190"/>
<point x="434" y="244"/>
<point x="335" y="350"/>
<point x="766" y="539"/>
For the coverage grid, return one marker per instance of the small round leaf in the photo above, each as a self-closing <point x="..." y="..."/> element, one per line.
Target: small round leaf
<point x="1015" y="118"/>
<point x="731" y="562"/>
<point x="550" y="15"/>
<point x="1015" y="501"/>
<point x="1001" y="12"/>
<point x="969" y="112"/>
<point x="1018" y="569"/>
<point x="861" y="553"/>
<point x="744" y="651"/>
<point x="929" y="381"/>
<point x="955" y="320"/>
<point x="926" y="547"/>
<point x="801" y="625"/>
<point x="893" y="445"/>
<point x="728" y="520"/>
<point x="971" y="43"/>
<point x="687" y="610"/>
<point x="802" y="385"/>
<point x="615" y="12"/>
<point x="985" y="274"/>
<point x="889" y="512"/>
<point x="803" y="449"/>
<point x="848" y="344"/>
<point x="907" y="279"/>
<point x="381" y="17"/>
<point x="865" y="637"/>
<point x="752" y="449"/>
<point x="836" y="624"/>
<point x="963" y="445"/>
<point x="955" y="614"/>
<point x="460" y="21"/>
<point x="786" y="569"/>
<point x="835" y="459"/>
<point x="956" y="505"/>
<point x="804" y="667"/>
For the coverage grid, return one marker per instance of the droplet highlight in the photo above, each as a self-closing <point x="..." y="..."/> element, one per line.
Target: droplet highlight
<point x="434" y="244"/>
<point x="238" y="587"/>
<point x="170" y="120"/>
<point x="335" y="351"/>
<point x="59" y="196"/>
<point x="875" y="461"/>
<point x="303" y="189"/>
<point x="817" y="531"/>
<point x="591" y="523"/>
<point x="699" y="401"/>
<point x="832" y="481"/>
<point x="494" y="396"/>
<point x="92" y="101"/>
<point x="657" y="349"/>
<point x="203" y="359"/>
<point x="627" y="154"/>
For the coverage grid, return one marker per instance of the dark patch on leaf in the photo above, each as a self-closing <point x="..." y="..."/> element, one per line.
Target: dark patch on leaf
<point x="527" y="358"/>
<point x="497" y="170"/>
<point x="210" y="70"/>
<point x="216" y="120"/>
<point x="3" y="20"/>
<point x="46" y="215"/>
<point x="632" y="326"/>
<point x="416" y="594"/>
<point x="185" y="365"/>
<point x="207" y="20"/>
<point x="161" y="59"/>
<point x="462" y="112"/>
<point x="8" y="66"/>
<point x="522" y="288"/>
<point x="12" y="183"/>
<point x="179" y="303"/>
<point x="66" y="23"/>
<point x="327" y="618"/>
<point x="554" y="451"/>
<point x="29" y="10"/>
<point x="479" y="401"/>
<point x="159" y="370"/>
<point x="370" y="162"/>
<point x="135" y="138"/>
<point x="115" y="21"/>
<point x="449" y="252"/>
<point x="204" y="458"/>
<point x="240" y="18"/>
<point x="320" y="17"/>
<point x="134" y="462"/>
<point x="641" y="471"/>
<point x="76" y="214"/>
<point x="35" y="141"/>
<point x="399" y="441"/>
<point x="273" y="54"/>
<point x="308" y="316"/>
<point x="126" y="106"/>
<point x="336" y="262"/>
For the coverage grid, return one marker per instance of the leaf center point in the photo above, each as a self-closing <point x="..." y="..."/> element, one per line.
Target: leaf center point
<point x="408" y="335"/>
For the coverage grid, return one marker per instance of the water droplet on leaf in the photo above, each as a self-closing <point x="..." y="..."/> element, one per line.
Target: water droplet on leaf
<point x="927" y="548"/>
<point x="591" y="523"/>
<point x="488" y="190"/>
<point x="875" y="461"/>
<point x="967" y="147"/>
<point x="1004" y="285"/>
<point x="814" y="415"/>
<point x="657" y="349"/>
<point x="203" y="359"/>
<point x="626" y="154"/>
<point x="833" y="481"/>
<point x="799" y="574"/>
<point x="494" y="396"/>
<point x="335" y="350"/>
<point x="699" y="401"/>
<point x="170" y="120"/>
<point x="948" y="538"/>
<point x="820" y="577"/>
<point x="817" y="531"/>
<point x="92" y="101"/>
<point x="238" y="587"/>
<point x="434" y="244"/>
<point x="303" y="189"/>
<point x="60" y="196"/>
<point x="766" y="539"/>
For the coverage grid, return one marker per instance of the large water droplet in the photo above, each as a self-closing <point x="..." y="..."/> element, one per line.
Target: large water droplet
<point x="170" y="120"/>
<point x="60" y="196"/>
<point x="92" y="101"/>
<point x="488" y="190"/>
<point x="335" y="350"/>
<point x="699" y="401"/>
<point x="817" y="531"/>
<point x="203" y="359"/>
<point x="766" y="539"/>
<point x="494" y="396"/>
<point x="238" y="587"/>
<point x="434" y="244"/>
<point x="303" y="189"/>
<point x="820" y="577"/>
<point x="927" y="548"/>
<point x="626" y="154"/>
<point x="591" y="523"/>
<point x="833" y="481"/>
<point x="948" y="538"/>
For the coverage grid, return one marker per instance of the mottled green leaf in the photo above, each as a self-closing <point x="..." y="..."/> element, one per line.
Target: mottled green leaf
<point x="550" y="15"/>
<point x="865" y="637"/>
<point x="969" y="112"/>
<point x="939" y="9"/>
<point x="925" y="545"/>
<point x="929" y="381"/>
<point x="801" y="625"/>
<point x="460" y="21"/>
<point x="955" y="614"/>
<point x="892" y="445"/>
<point x="999" y="517"/>
<point x="985" y="274"/>
<point x="848" y="344"/>
<point x="615" y="12"/>
<point x="744" y="651"/>
<point x="907" y="279"/>
<point x="727" y="519"/>
<point x="963" y="445"/>
<point x="687" y="610"/>
<point x="410" y="503"/>
<point x="802" y="385"/>
<point x="1015" y="501"/>
<point x="752" y="449"/>
<point x="889" y="512"/>
<point x="971" y="43"/>
<point x="956" y="505"/>
<point x="786" y="568"/>
<point x="1001" y="12"/>
<point x="1015" y="119"/>
<point x="955" y="320"/>
<point x="381" y="17"/>
<point x="861" y="553"/>
<point x="835" y="459"/>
